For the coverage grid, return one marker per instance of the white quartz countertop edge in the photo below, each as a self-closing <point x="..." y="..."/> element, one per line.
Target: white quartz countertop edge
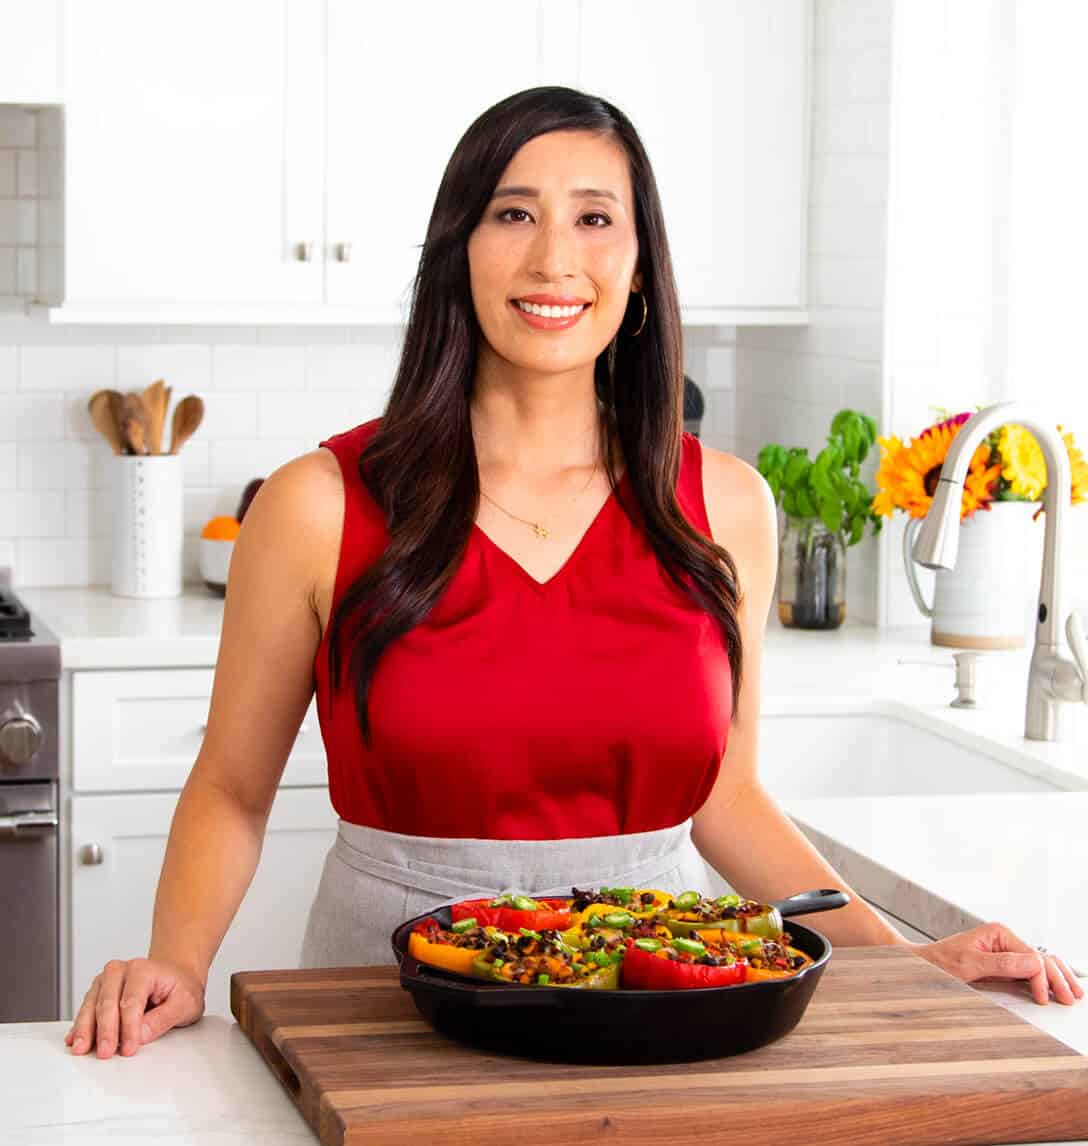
<point x="206" y="1085"/>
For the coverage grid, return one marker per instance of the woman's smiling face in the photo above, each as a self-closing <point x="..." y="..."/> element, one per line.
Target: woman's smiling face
<point x="560" y="223"/>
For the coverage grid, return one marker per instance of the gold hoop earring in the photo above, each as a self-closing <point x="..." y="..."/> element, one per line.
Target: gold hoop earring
<point x="645" y="312"/>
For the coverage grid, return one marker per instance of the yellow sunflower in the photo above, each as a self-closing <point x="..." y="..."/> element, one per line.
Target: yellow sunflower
<point x="1024" y="467"/>
<point x="1022" y="462"/>
<point x="907" y="475"/>
<point x="1079" y="467"/>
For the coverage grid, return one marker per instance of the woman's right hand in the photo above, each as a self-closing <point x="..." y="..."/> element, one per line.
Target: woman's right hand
<point x="132" y="1002"/>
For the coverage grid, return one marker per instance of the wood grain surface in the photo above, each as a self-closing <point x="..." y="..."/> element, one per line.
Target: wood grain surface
<point x="890" y="1051"/>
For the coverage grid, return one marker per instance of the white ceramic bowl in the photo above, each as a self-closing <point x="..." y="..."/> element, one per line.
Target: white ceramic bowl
<point x="215" y="562"/>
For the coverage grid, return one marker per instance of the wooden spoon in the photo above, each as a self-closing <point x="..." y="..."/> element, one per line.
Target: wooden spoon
<point x="101" y="411"/>
<point x="188" y="415"/>
<point x="135" y="422"/>
<point x="155" y="404"/>
<point x="117" y="410"/>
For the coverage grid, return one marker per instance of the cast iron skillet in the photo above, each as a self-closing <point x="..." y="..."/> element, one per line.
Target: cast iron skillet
<point x="561" y="1024"/>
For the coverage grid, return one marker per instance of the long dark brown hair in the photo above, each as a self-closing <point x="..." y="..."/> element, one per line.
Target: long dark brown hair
<point x="420" y="464"/>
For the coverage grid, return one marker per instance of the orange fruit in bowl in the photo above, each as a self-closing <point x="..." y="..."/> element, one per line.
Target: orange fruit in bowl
<point x="222" y="528"/>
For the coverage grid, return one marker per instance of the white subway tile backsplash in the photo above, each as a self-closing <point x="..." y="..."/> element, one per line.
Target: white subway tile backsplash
<point x="19" y="221"/>
<point x="228" y="415"/>
<point x="39" y="513"/>
<point x="237" y="367"/>
<point x="27" y="182"/>
<point x="854" y="283"/>
<point x="187" y="369"/>
<point x="56" y="561"/>
<point x="9" y="521"/>
<point x="849" y="181"/>
<point x="233" y="463"/>
<point x="79" y="369"/>
<point x="32" y="417"/>
<point x="9" y="461"/>
<point x="855" y="232"/>
<point x="353" y="367"/>
<point x="8" y="374"/>
<point x="9" y="173"/>
<point x="18" y="126"/>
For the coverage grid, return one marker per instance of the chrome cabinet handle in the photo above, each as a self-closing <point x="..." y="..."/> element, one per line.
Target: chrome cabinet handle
<point x="27" y="824"/>
<point x="304" y="252"/>
<point x="90" y="855"/>
<point x="343" y="252"/>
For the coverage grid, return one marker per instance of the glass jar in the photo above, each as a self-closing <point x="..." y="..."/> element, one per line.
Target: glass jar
<point x="811" y="575"/>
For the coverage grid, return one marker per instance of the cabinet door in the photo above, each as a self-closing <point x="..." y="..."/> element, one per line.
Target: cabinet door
<point x="718" y="91"/>
<point x="193" y="152"/>
<point x="112" y="901"/>
<point x="143" y="729"/>
<point x="31" y="61"/>
<point x="405" y="81"/>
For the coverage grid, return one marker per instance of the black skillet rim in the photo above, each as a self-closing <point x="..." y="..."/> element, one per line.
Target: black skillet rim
<point x="465" y="986"/>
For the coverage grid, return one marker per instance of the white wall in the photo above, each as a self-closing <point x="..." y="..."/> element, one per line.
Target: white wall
<point x="984" y="268"/>
<point x="791" y="380"/>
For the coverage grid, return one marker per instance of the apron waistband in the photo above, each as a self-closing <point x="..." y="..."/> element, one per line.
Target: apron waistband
<point x="641" y="873"/>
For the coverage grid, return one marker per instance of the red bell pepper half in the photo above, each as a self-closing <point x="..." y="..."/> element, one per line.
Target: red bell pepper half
<point x="666" y="968"/>
<point x="512" y="912"/>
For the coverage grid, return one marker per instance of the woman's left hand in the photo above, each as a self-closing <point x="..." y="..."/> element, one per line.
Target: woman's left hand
<point x="992" y="951"/>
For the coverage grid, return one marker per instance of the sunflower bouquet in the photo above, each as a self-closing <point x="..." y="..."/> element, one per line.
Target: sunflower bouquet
<point x="1007" y="466"/>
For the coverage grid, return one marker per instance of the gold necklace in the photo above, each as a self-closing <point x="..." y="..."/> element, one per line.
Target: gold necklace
<point x="539" y="529"/>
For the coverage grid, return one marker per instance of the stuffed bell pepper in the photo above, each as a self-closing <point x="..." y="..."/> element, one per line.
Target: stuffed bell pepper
<point x="766" y="958"/>
<point x="452" y="948"/>
<point x="651" y="965"/>
<point x="637" y="901"/>
<point x="543" y="959"/>
<point x="511" y="912"/>
<point x="690" y="912"/>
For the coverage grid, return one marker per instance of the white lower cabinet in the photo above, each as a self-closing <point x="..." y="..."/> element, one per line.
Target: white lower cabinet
<point x="118" y="843"/>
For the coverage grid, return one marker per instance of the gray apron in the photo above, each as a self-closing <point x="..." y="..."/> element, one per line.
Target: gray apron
<point x="374" y="880"/>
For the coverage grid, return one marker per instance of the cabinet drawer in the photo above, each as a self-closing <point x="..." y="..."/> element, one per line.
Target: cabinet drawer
<point x="143" y="730"/>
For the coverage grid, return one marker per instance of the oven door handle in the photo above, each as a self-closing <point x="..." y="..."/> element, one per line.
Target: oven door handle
<point x="27" y="824"/>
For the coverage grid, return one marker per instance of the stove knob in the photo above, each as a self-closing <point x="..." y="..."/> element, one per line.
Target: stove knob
<point x="20" y="739"/>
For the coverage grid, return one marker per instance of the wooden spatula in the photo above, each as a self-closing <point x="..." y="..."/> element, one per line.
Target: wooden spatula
<point x="100" y="408"/>
<point x="187" y="417"/>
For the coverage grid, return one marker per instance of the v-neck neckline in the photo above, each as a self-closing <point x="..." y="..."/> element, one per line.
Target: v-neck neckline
<point x="541" y="586"/>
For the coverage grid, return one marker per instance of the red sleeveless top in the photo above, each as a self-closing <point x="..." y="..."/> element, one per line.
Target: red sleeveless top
<point x="595" y="703"/>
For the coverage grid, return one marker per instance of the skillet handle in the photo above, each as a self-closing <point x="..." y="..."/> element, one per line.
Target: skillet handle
<point x="807" y="902"/>
<point x="414" y="978"/>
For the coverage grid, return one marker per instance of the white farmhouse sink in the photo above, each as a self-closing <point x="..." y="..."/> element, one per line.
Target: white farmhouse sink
<point x="876" y="754"/>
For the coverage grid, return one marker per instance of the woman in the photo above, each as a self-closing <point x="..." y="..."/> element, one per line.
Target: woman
<point x="527" y="599"/>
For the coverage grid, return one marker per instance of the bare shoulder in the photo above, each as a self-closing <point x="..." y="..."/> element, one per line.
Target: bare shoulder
<point x="739" y="503"/>
<point x="298" y="513"/>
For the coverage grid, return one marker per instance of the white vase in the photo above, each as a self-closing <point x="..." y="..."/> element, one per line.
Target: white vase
<point x="148" y="526"/>
<point x="984" y="602"/>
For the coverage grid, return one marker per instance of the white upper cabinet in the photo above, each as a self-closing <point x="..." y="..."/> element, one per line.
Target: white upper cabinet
<point x="278" y="160"/>
<point x="194" y="154"/>
<point x="404" y="83"/>
<point x="31" y="53"/>
<point x="718" y="91"/>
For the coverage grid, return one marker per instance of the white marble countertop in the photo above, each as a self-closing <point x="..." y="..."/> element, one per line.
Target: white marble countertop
<point x="205" y="1085"/>
<point x="962" y="859"/>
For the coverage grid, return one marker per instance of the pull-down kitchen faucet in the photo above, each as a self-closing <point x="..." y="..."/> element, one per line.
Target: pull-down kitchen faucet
<point x="1052" y="678"/>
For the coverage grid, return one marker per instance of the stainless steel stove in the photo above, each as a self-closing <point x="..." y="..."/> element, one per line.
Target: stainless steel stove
<point x="29" y="850"/>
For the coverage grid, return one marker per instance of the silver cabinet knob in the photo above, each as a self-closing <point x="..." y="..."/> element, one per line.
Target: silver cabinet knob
<point x="20" y="739"/>
<point x="343" y="252"/>
<point x="90" y="855"/>
<point x="304" y="252"/>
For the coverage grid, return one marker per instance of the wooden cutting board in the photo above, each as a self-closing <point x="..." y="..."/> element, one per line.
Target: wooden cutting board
<point x="890" y="1050"/>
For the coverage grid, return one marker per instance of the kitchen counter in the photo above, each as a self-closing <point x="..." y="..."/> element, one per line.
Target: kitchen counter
<point x="946" y="861"/>
<point x="205" y="1085"/>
